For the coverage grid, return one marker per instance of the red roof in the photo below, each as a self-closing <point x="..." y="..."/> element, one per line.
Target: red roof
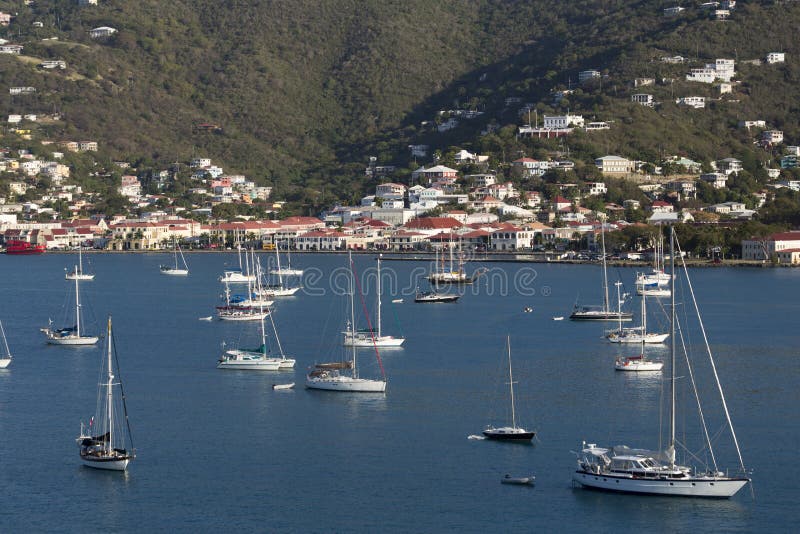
<point x="785" y="236"/>
<point x="661" y="203"/>
<point x="433" y="223"/>
<point x="475" y="233"/>
<point x="561" y="200"/>
<point x="790" y="250"/>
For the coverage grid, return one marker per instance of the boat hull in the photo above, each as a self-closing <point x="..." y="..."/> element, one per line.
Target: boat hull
<point x="637" y="365"/>
<point x="379" y="341"/>
<point x="4" y="362"/>
<point x="708" y="487"/>
<point x="346" y="384"/>
<point x="73" y="340"/>
<point x="436" y="299"/>
<point x="73" y="276"/>
<point x="601" y="316"/>
<point x="250" y="365"/>
<point x="108" y="464"/>
<point x="499" y="434"/>
<point x="175" y="272"/>
<point x="637" y="338"/>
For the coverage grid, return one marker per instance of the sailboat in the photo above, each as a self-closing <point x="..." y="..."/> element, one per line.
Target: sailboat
<point x="454" y="274"/>
<point x="656" y="282"/>
<point x="604" y="312"/>
<point x="636" y="334"/>
<point x="5" y="359"/>
<point x="344" y="376"/>
<point x="254" y="297"/>
<point x="368" y="338"/>
<point x="70" y="335"/>
<point x="177" y="270"/>
<point x="286" y="271"/>
<point x="78" y="273"/>
<point x="234" y="312"/>
<point x="513" y="432"/>
<point x="107" y="443"/>
<point x="237" y="276"/>
<point x="622" y="469"/>
<point x="279" y="289"/>
<point x="256" y="359"/>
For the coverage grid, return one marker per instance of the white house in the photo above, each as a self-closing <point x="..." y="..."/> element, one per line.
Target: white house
<point x="764" y="249"/>
<point x="673" y="11"/>
<point x="643" y="99"/>
<point x="555" y="122"/>
<point x="729" y="165"/>
<point x="717" y="180"/>
<point x="776" y="57"/>
<point x="659" y="206"/>
<point x="597" y="188"/>
<point x="697" y="102"/>
<point x="615" y="165"/>
<point x="102" y="32"/>
<point x="586" y="75"/>
<point x="704" y="75"/>
<point x="510" y="238"/>
<point x="772" y="137"/>
<point x="390" y="190"/>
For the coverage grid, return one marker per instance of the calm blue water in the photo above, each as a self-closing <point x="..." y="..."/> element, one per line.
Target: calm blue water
<point x="220" y="450"/>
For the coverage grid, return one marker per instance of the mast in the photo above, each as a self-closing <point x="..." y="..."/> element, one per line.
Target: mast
<point x="644" y="325"/>
<point x="619" y="305"/>
<point x="109" y="395"/>
<point x="671" y="442"/>
<point x="175" y="251"/>
<point x="278" y="256"/>
<point x="80" y="258"/>
<point x="277" y="339"/>
<point x="77" y="306"/>
<point x="353" y="312"/>
<point x="511" y="384"/>
<point x="605" y="275"/>
<point x="378" y="289"/>
<point x="5" y="341"/>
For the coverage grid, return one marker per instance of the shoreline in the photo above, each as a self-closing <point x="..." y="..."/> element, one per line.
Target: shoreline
<point x="486" y="257"/>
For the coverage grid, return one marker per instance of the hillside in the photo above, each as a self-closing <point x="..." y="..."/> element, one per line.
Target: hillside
<point x="304" y="92"/>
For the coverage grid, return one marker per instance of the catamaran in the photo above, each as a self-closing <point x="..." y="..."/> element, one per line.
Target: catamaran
<point x="176" y="270"/>
<point x="107" y="442"/>
<point x="513" y="432"/>
<point x="622" y="469"/>
<point x="78" y="273"/>
<point x="344" y="375"/>
<point x="368" y="338"/>
<point x="70" y="335"/>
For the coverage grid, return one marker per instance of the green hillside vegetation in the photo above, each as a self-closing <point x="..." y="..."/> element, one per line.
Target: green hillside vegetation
<point x="303" y="93"/>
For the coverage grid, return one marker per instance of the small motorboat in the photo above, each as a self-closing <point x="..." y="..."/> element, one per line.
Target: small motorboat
<point x="397" y="301"/>
<point x="207" y="318"/>
<point x="558" y="318"/>
<point x="527" y="309"/>
<point x="519" y="481"/>
<point x="283" y="386"/>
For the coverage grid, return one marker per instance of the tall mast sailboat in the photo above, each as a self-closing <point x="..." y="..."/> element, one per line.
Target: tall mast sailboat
<point x="78" y="273"/>
<point x="622" y="469"/>
<point x="604" y="312"/>
<point x="513" y="432"/>
<point x="367" y="338"/>
<point x="70" y="335"/>
<point x="344" y="376"/>
<point x="107" y="442"/>
<point x="5" y="358"/>
<point x="178" y="269"/>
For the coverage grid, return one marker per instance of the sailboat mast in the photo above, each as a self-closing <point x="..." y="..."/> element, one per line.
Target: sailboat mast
<point x="80" y="258"/>
<point x="77" y="308"/>
<point x="278" y="257"/>
<point x="619" y="304"/>
<point x="109" y="394"/>
<point x="644" y="324"/>
<point x="353" y="312"/>
<point x="378" y="289"/>
<point x="605" y="274"/>
<point x="671" y="443"/>
<point x="511" y="384"/>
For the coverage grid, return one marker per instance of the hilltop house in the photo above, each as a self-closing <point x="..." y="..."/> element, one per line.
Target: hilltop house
<point x="615" y="165"/>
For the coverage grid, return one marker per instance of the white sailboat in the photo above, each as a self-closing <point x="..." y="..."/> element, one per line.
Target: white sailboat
<point x="5" y="359"/>
<point x="640" y="362"/>
<point x="656" y="282"/>
<point x="367" y="338"/>
<point x="279" y="289"/>
<point x="176" y="270"/>
<point x="622" y="469"/>
<point x="78" y="273"/>
<point x="237" y="276"/>
<point x="107" y="443"/>
<point x="256" y="359"/>
<point x="254" y="297"/>
<point x="234" y="312"/>
<point x="453" y="274"/>
<point x="636" y="334"/>
<point x="286" y="271"/>
<point x="344" y="376"/>
<point x="604" y="312"/>
<point x="513" y="432"/>
<point x="70" y="335"/>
